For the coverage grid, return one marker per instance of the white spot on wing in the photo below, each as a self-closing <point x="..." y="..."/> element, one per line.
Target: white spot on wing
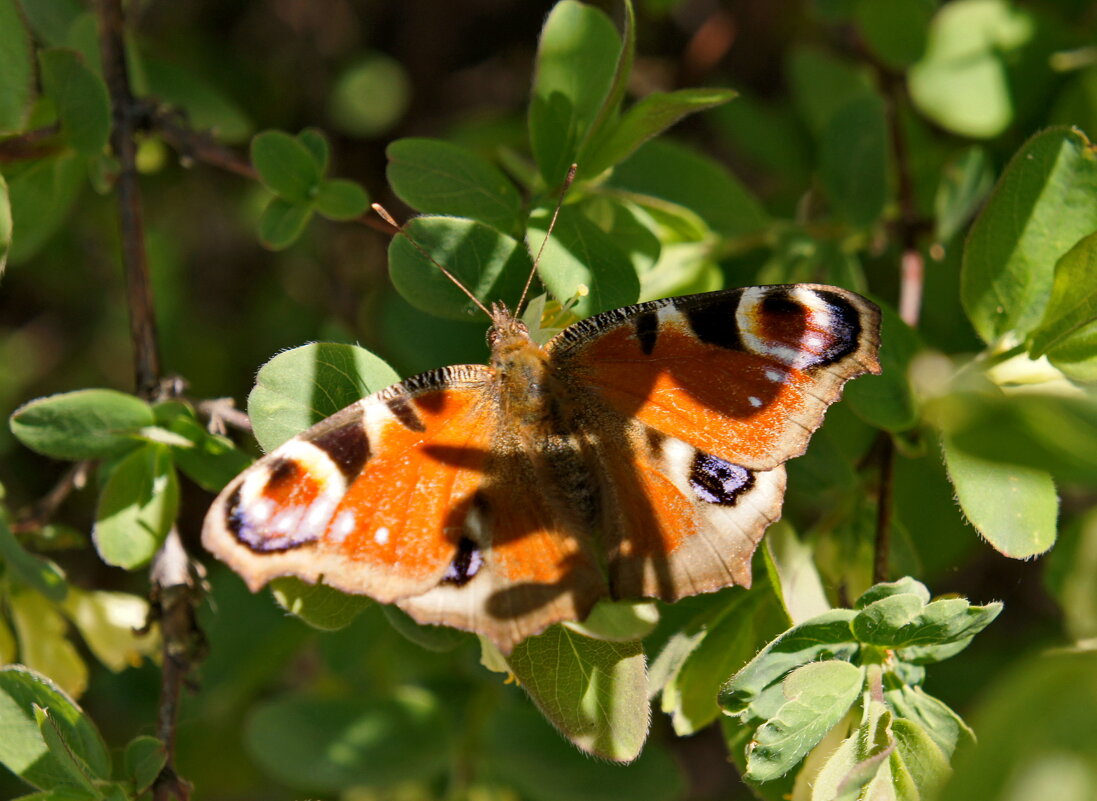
<point x="755" y="402"/>
<point x="344" y="525"/>
<point x="381" y="536"/>
<point x="776" y="376"/>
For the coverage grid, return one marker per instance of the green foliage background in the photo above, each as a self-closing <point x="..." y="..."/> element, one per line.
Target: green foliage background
<point x="889" y="147"/>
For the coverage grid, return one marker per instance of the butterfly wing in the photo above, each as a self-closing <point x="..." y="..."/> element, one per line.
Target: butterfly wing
<point x="413" y="494"/>
<point x="743" y="374"/>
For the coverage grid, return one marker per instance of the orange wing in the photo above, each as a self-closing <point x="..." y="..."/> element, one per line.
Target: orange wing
<point x="413" y="494"/>
<point x="744" y="374"/>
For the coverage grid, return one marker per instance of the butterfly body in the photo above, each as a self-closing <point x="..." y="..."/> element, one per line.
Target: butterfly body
<point x="638" y="454"/>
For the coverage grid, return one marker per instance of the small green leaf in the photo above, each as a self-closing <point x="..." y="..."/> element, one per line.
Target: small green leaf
<point x="895" y="32"/>
<point x="1013" y="507"/>
<point x="78" y="773"/>
<point x="853" y="160"/>
<point x="793" y="574"/>
<point x="286" y="166"/>
<point x="965" y="182"/>
<point x="581" y="261"/>
<point x="43" y="641"/>
<point x="576" y="63"/>
<point x="962" y="83"/>
<point x="41" y="197"/>
<point x="113" y="626"/>
<point x="16" y="69"/>
<point x="645" y="120"/>
<point x="143" y="760"/>
<point x="318" y="605"/>
<point x="34" y="571"/>
<point x="670" y="172"/>
<point x="437" y="177"/>
<point x="137" y="507"/>
<point x="22" y="749"/>
<point x="1044" y="203"/>
<point x="919" y="757"/>
<point x="827" y="636"/>
<point x="209" y="460"/>
<point x="86" y="424"/>
<point x="81" y="99"/>
<point x="818" y="696"/>
<point x="5" y="224"/>
<point x="317" y="144"/>
<point x="324" y="745"/>
<point x="282" y="222"/>
<point x="593" y="691"/>
<point x="340" y="199"/>
<point x="885" y="589"/>
<point x="491" y="265"/>
<point x="302" y="386"/>
<point x="905" y="620"/>
<point x="1073" y="302"/>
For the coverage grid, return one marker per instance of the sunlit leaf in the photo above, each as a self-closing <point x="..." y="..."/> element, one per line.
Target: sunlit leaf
<point x="86" y="424"/>
<point x="137" y="507"/>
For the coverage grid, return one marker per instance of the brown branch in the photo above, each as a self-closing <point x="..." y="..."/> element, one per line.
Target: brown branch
<point x="222" y="413"/>
<point x="34" y="144"/>
<point x="174" y="592"/>
<point x="43" y="511"/>
<point x="126" y="118"/>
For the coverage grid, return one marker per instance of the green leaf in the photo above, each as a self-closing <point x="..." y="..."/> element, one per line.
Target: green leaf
<point x="137" y="507"/>
<point x="51" y="19"/>
<point x="670" y="172"/>
<point x="324" y="745"/>
<point x="43" y="641"/>
<point x="593" y="691"/>
<point x="209" y="460"/>
<point x="853" y="160"/>
<point x="648" y="118"/>
<point x="112" y="625"/>
<point x="962" y="82"/>
<point x="618" y="621"/>
<point x="525" y="754"/>
<point x="905" y="620"/>
<point x="1073" y="302"/>
<point x="300" y="387"/>
<point x="886" y="589"/>
<point x="341" y="199"/>
<point x="792" y="571"/>
<point x="1071" y="576"/>
<point x="895" y="32"/>
<point x="1045" y="202"/>
<point x="143" y="760"/>
<point x="282" y="222"/>
<point x="5" y="224"/>
<point x="1013" y="507"/>
<point x="919" y="757"/>
<point x="491" y="265"/>
<point x="86" y="424"/>
<point x="81" y="99"/>
<point x="827" y="636"/>
<point x="41" y="197"/>
<point x="819" y="695"/>
<point x="581" y="261"/>
<point x="317" y="144"/>
<point x="286" y="166"/>
<point x="886" y="400"/>
<point x="822" y="84"/>
<point x="576" y="63"/>
<point x="34" y="571"/>
<point x="207" y="106"/>
<point x="1049" y="701"/>
<point x="965" y="181"/>
<point x="78" y="772"/>
<point x="22" y="749"/>
<point x="1076" y="356"/>
<point x="437" y="177"/>
<point x="16" y="69"/>
<point x="318" y="605"/>
<point x="944" y="726"/>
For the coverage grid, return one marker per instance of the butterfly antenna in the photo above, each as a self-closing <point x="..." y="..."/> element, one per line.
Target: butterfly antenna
<point x="423" y="252"/>
<point x="552" y="224"/>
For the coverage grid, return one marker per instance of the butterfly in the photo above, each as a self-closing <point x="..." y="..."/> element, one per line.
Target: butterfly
<point x="638" y="454"/>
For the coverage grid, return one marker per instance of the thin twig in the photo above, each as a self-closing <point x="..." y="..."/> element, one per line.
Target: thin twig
<point x="34" y="144"/>
<point x="43" y="511"/>
<point x="124" y="111"/>
<point x="222" y="412"/>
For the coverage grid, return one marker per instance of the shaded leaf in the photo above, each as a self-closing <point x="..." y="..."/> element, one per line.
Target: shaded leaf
<point x="81" y="99"/>
<point x="341" y="199"/>
<point x="1073" y="302"/>
<point x="593" y="691"/>
<point x="895" y="32"/>
<point x="438" y="177"/>
<point x="143" y="759"/>
<point x="34" y="571"/>
<point x="853" y="160"/>
<point x="16" y="69"/>
<point x="318" y="605"/>
<point x="137" y="507"/>
<point x="5" y="224"/>
<point x="944" y="726"/>
<point x="209" y="460"/>
<point x="618" y="621"/>
<point x="439" y="639"/>
<point x="300" y="387"/>
<point x="282" y="222"/>
<point x="42" y="195"/>
<point x="86" y="424"/>
<point x="965" y="182"/>
<point x="286" y="166"/>
<point x="77" y="771"/>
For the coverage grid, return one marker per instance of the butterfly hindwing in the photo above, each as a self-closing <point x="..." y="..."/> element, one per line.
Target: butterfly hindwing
<point x="743" y="374"/>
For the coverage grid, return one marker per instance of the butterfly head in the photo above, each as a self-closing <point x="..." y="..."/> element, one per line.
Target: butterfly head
<point x="507" y="332"/>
